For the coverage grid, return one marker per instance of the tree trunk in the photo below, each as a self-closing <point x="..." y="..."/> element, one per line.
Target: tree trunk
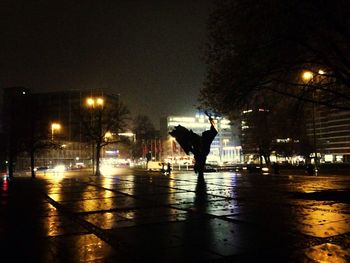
<point x="98" y="151"/>
<point x="11" y="165"/>
<point x="32" y="161"/>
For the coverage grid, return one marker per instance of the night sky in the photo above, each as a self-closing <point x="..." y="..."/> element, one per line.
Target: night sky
<point x="147" y="51"/>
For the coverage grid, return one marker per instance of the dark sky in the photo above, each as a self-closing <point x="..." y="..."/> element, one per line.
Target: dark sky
<point x="148" y="51"/>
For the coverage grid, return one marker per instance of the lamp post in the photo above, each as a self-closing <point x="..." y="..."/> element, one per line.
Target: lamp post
<point x="54" y="127"/>
<point x="95" y="103"/>
<point x="308" y="77"/>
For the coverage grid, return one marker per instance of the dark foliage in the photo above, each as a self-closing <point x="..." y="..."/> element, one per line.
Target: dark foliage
<point x="256" y="48"/>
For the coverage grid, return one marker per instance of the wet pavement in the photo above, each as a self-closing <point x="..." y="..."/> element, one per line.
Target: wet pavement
<point x="139" y="216"/>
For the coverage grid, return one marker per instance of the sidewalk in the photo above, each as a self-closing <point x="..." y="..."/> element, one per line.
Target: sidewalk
<point x="148" y="217"/>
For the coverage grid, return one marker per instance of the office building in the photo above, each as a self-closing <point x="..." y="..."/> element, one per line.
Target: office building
<point x="329" y="129"/>
<point x="59" y="119"/>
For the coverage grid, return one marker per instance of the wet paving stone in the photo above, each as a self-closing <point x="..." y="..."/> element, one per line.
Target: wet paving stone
<point x="150" y="191"/>
<point x="136" y="216"/>
<point x="59" y="225"/>
<point x="327" y="253"/>
<point x="78" y="188"/>
<point x="85" y="195"/>
<point x="100" y="204"/>
<point x="320" y="222"/>
<point x="80" y="248"/>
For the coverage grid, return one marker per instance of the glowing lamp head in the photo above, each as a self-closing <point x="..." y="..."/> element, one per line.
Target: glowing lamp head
<point x="307" y="75"/>
<point x="90" y="102"/>
<point x="56" y="126"/>
<point x="99" y="101"/>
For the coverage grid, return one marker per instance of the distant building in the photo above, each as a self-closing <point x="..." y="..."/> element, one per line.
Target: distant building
<point x="253" y="133"/>
<point x="62" y="107"/>
<point x="225" y="147"/>
<point x="330" y="130"/>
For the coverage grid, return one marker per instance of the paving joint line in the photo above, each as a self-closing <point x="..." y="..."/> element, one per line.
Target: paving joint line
<point x="100" y="233"/>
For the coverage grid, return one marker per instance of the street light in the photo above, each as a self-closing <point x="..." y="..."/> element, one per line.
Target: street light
<point x="108" y="135"/>
<point x="95" y="103"/>
<point x="308" y="77"/>
<point x="54" y="127"/>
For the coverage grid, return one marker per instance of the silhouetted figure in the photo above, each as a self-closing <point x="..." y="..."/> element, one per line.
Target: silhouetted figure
<point x="162" y="169"/>
<point x="276" y="168"/>
<point x="310" y="169"/>
<point x="168" y="168"/>
<point x="198" y="145"/>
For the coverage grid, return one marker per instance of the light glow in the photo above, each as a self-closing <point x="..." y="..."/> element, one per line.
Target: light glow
<point x="108" y="135"/>
<point x="307" y="75"/>
<point x="60" y="168"/>
<point x="55" y="126"/>
<point x="91" y="102"/>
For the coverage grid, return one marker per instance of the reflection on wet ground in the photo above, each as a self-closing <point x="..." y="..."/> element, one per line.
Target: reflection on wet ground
<point x="135" y="216"/>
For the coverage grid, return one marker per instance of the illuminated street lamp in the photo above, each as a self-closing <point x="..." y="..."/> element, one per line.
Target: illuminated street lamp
<point x="308" y="77"/>
<point x="108" y="135"/>
<point x="54" y="127"/>
<point x="93" y="102"/>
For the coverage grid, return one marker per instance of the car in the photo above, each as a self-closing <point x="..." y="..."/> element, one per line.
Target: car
<point x="210" y="168"/>
<point x="154" y="166"/>
<point x="41" y="169"/>
<point x="255" y="168"/>
<point x="79" y="166"/>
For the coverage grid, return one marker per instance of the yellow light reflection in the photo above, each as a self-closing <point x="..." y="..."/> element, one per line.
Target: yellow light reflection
<point x="108" y="169"/>
<point x="319" y="221"/>
<point x="328" y="253"/>
<point x="317" y="218"/>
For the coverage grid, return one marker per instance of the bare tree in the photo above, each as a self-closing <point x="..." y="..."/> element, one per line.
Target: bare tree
<point x="103" y="119"/>
<point x="25" y="128"/>
<point x="144" y="130"/>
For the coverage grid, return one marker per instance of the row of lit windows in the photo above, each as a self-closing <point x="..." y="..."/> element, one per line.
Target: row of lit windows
<point x="336" y="138"/>
<point x="329" y="134"/>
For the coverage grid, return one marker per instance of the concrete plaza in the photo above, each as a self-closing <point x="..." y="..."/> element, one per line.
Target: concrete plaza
<point x="140" y="216"/>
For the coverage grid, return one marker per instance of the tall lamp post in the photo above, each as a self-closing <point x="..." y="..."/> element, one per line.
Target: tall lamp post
<point x="54" y="127"/>
<point x="308" y="77"/>
<point x="95" y="103"/>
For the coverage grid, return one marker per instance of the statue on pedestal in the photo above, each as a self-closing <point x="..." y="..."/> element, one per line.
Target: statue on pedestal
<point x="196" y="144"/>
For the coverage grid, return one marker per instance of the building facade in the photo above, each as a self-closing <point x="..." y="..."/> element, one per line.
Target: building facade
<point x="62" y="108"/>
<point x="329" y="129"/>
